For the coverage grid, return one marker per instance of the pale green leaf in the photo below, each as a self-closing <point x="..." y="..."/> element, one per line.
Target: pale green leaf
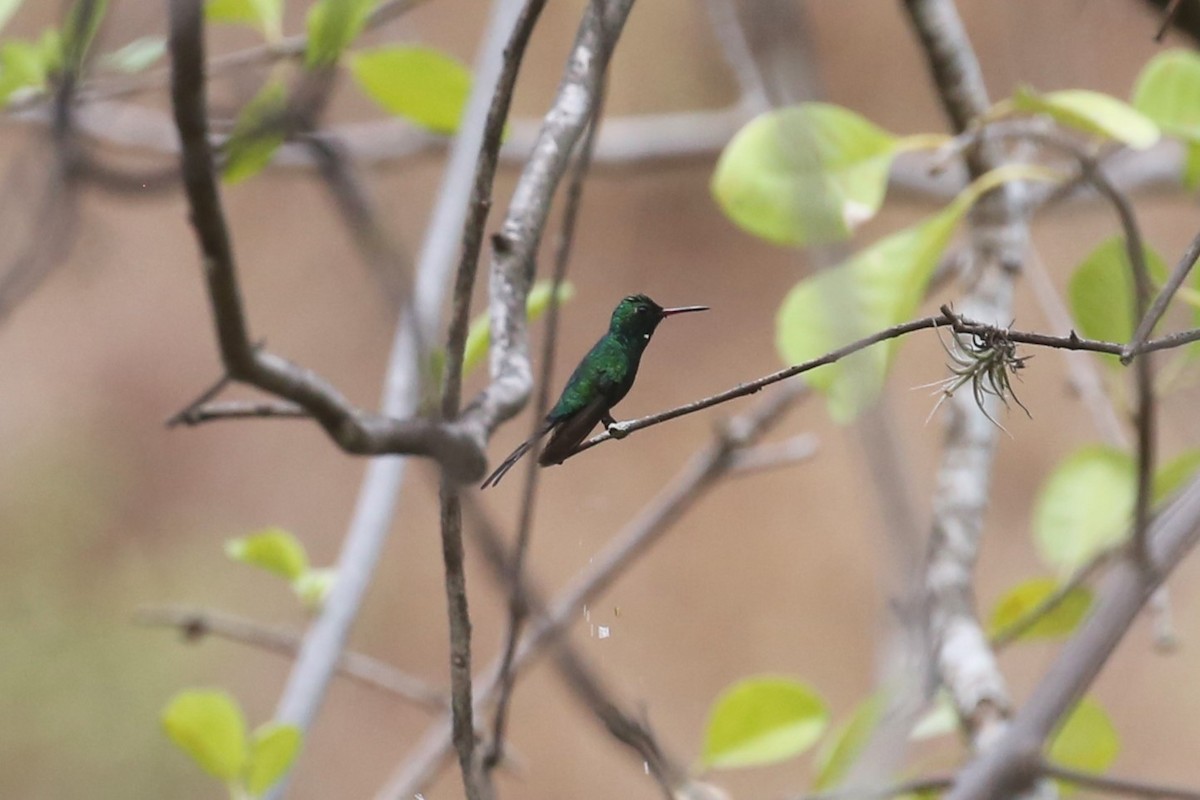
<point x="7" y="9"/>
<point x="423" y="85"/>
<point x="257" y="134"/>
<point x="137" y="55"/>
<point x="479" y="335"/>
<point x="265" y="15"/>
<point x="273" y="549"/>
<point x="1086" y="741"/>
<point x="1168" y="92"/>
<point x="1101" y="292"/>
<point x="1019" y="602"/>
<point x="332" y="26"/>
<point x="805" y="174"/>
<point x="839" y="751"/>
<point x="939" y="720"/>
<point x="762" y="720"/>
<point x="1085" y="507"/>
<point x="1172" y="475"/>
<point x="23" y="65"/>
<point x="1094" y="113"/>
<point x="273" y="748"/>
<point x="1191" y="166"/>
<point x="314" y="586"/>
<point x="208" y="726"/>
<point x="880" y="286"/>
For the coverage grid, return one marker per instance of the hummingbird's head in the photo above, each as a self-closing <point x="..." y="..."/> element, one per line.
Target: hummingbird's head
<point x="637" y="316"/>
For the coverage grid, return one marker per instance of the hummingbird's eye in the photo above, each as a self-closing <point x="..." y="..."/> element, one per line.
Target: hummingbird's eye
<point x="641" y="309"/>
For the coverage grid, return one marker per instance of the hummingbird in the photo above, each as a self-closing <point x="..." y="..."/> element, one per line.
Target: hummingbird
<point x="601" y="380"/>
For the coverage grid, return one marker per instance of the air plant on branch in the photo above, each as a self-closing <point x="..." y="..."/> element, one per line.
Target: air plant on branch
<point x="986" y="359"/>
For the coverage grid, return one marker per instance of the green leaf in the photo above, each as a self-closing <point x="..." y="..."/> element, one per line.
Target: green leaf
<point x="273" y="549"/>
<point x="1168" y="92"/>
<point x="314" y="586"/>
<point x="272" y="751"/>
<point x="939" y="720"/>
<point x="23" y="65"/>
<point x="137" y="55"/>
<point x="1101" y="292"/>
<point x="423" y="85"/>
<point x="1092" y="112"/>
<point x="257" y="134"/>
<point x="265" y="15"/>
<point x="1017" y="603"/>
<point x="1171" y="476"/>
<point x="1191" y="166"/>
<point x="805" y="174"/>
<point x="880" y="286"/>
<point x="479" y="334"/>
<point x="839" y="752"/>
<point x="7" y="9"/>
<point x="1086" y="741"/>
<point x="209" y="727"/>
<point x="762" y="721"/>
<point x="332" y="26"/>
<point x="1085" y="507"/>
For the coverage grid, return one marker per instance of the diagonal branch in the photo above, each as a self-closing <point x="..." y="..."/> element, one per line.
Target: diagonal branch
<point x="196" y="623"/>
<point x="1015" y="757"/>
<point x="702" y="473"/>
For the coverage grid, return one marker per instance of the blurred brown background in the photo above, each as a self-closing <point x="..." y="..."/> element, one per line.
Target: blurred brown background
<point x="103" y="510"/>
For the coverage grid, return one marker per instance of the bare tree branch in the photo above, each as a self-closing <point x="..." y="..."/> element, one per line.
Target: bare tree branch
<point x="1014" y="757"/>
<point x="375" y="509"/>
<point x="1108" y="784"/>
<point x="1178" y="275"/>
<point x="516" y="245"/>
<point x="702" y="473"/>
<point x="354" y="430"/>
<point x="966" y="663"/>
<point x="518" y="609"/>
<point x="196" y="623"/>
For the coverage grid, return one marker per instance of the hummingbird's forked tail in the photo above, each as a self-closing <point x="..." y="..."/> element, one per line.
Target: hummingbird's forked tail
<point x="515" y="456"/>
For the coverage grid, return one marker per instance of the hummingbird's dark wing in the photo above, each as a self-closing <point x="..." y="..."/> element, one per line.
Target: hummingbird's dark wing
<point x="515" y="455"/>
<point x="570" y="432"/>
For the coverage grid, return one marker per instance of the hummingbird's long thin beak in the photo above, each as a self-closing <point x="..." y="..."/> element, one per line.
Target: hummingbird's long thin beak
<point x="682" y="310"/>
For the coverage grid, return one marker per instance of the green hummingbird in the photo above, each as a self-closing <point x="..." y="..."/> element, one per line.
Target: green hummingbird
<point x="601" y="380"/>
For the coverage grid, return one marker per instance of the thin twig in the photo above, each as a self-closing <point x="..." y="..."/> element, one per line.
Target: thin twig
<point x="196" y="623"/>
<point x="1165" y="295"/>
<point x="772" y="456"/>
<point x="374" y="513"/>
<point x="947" y="319"/>
<point x="390" y="265"/>
<point x="475" y="779"/>
<point x="518" y="610"/>
<point x="212" y="412"/>
<point x="916" y="786"/>
<point x="515" y="246"/>
<point x="1111" y="784"/>
<point x="1168" y="17"/>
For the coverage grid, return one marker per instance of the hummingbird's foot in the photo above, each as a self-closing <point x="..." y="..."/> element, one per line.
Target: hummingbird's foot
<point x="617" y="430"/>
